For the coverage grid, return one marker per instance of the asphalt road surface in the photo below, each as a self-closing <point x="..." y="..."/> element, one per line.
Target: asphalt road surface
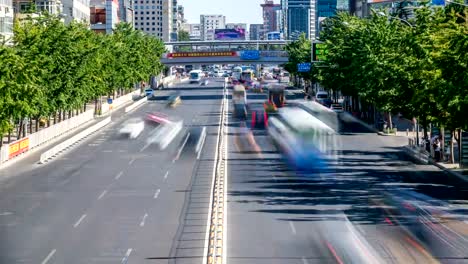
<point x="336" y="214"/>
<point x="113" y="200"/>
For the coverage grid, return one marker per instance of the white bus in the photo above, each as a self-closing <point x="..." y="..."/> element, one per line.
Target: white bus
<point x="307" y="142"/>
<point x="195" y="76"/>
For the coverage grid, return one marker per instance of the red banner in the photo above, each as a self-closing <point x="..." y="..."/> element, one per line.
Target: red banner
<point x="202" y="54"/>
<point x="18" y="147"/>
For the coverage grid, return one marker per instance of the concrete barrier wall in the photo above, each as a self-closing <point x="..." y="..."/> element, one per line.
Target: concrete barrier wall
<point x="47" y="134"/>
<point x="69" y="142"/>
<point x="136" y="104"/>
<point x="119" y="101"/>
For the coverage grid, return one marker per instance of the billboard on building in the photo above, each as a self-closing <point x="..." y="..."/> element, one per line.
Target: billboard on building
<point x="230" y="34"/>
<point x="274" y="35"/>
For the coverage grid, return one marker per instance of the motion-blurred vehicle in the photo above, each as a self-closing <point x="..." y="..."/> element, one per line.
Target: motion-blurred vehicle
<point x="165" y="133"/>
<point x="305" y="140"/>
<point x="276" y="95"/>
<point x="149" y="92"/>
<point x="158" y="118"/>
<point x="236" y="74"/>
<point x="245" y="140"/>
<point x="239" y="101"/>
<point x="337" y="108"/>
<point x="323" y="98"/>
<point x="429" y="221"/>
<point x="259" y="119"/>
<point x="324" y="114"/>
<point x="247" y="78"/>
<point x="204" y="82"/>
<point x="218" y="73"/>
<point x="132" y="127"/>
<point x="195" y="139"/>
<point x="174" y="100"/>
<point x="195" y="76"/>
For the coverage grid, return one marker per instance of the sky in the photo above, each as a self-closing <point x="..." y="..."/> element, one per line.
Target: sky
<point x="236" y="11"/>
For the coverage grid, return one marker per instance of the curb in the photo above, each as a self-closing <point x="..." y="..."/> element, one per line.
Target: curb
<point x="426" y="160"/>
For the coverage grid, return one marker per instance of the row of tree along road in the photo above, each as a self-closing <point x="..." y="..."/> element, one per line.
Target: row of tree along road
<point x="53" y="70"/>
<point x="417" y="67"/>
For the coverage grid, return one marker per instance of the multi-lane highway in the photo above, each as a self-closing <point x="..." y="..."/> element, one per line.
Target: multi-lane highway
<point x="115" y="200"/>
<point x="112" y="199"/>
<point x="338" y="214"/>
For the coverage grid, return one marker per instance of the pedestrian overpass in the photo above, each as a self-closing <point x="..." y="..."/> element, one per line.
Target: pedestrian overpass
<point x="270" y="52"/>
<point x="225" y="57"/>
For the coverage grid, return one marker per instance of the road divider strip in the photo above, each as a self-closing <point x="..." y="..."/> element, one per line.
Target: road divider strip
<point x="53" y="152"/>
<point x="136" y="105"/>
<point x="215" y="245"/>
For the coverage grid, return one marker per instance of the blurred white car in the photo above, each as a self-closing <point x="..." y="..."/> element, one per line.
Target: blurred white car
<point x="133" y="127"/>
<point x="165" y="134"/>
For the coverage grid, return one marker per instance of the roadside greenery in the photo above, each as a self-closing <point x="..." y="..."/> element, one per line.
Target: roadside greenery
<point x="419" y="68"/>
<point x="54" y="70"/>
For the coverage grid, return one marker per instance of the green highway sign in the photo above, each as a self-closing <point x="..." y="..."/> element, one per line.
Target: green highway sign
<point x="319" y="52"/>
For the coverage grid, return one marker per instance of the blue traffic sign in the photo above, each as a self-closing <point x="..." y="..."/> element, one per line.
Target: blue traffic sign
<point x="250" y="54"/>
<point x="304" y="67"/>
<point x="109" y="100"/>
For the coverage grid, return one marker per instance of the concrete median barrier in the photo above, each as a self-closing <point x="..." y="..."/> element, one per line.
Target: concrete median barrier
<point x="136" y="105"/>
<point x="71" y="141"/>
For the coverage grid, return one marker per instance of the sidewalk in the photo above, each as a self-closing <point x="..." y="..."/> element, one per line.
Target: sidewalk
<point x="424" y="157"/>
<point x="31" y="157"/>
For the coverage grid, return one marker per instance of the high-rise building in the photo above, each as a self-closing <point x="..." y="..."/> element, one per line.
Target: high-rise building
<point x="126" y="12"/>
<point x="155" y="17"/>
<point x="77" y="10"/>
<point x="180" y="24"/>
<point x="269" y="17"/>
<point x="53" y="7"/>
<point x="6" y="21"/>
<point x="299" y="17"/>
<point x="194" y="31"/>
<point x="236" y="25"/>
<point x="325" y="8"/>
<point x="104" y="15"/>
<point x="208" y="25"/>
<point x="255" y="31"/>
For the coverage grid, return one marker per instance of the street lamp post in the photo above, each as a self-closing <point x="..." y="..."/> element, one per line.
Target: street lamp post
<point x="456" y="3"/>
<point x="401" y="19"/>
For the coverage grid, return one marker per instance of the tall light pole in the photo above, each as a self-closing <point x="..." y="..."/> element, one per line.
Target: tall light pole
<point x="456" y="3"/>
<point x="393" y="17"/>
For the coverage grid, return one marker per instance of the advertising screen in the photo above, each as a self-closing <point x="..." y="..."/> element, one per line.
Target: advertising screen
<point x="230" y="34"/>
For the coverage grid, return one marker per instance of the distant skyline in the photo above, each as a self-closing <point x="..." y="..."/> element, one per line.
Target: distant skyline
<point x="236" y="11"/>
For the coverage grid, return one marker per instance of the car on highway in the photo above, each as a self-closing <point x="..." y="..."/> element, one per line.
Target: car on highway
<point x="323" y="98"/>
<point x="195" y="76"/>
<point x="174" y="100"/>
<point x="165" y="133"/>
<point x="337" y="108"/>
<point x="132" y="128"/>
<point x="218" y="73"/>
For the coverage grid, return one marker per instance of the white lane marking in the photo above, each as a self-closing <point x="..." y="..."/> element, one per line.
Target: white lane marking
<point x="145" y="147"/>
<point x="293" y="228"/>
<point x="165" y="175"/>
<point x="107" y="151"/>
<point x="142" y="223"/>
<point x="51" y="254"/>
<point x="156" y="194"/>
<point x="127" y="255"/>
<point x="131" y="161"/>
<point x="181" y="148"/>
<point x="79" y="221"/>
<point x="119" y="175"/>
<point x="102" y="195"/>
<point x="6" y="213"/>
<point x="304" y="260"/>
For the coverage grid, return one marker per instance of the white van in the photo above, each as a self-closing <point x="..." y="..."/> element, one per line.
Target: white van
<point x="195" y="76"/>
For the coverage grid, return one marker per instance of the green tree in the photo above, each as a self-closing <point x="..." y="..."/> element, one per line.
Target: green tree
<point x="183" y="35"/>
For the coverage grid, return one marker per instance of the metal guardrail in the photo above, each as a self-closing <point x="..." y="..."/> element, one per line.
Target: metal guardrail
<point x="71" y="141"/>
